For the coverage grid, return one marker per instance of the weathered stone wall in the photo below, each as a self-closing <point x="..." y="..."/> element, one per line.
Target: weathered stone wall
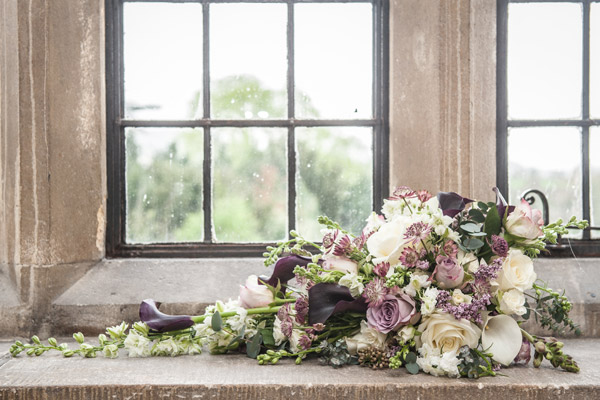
<point x="52" y="165"/>
<point x="52" y="155"/>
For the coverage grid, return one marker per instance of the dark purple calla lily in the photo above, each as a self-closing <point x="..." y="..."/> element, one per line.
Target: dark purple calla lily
<point x="162" y="322"/>
<point x="326" y="299"/>
<point x="501" y="204"/>
<point x="284" y="270"/>
<point x="452" y="203"/>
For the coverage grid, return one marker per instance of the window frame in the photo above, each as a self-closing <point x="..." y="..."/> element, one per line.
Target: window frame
<point x="116" y="245"/>
<point x="585" y="247"/>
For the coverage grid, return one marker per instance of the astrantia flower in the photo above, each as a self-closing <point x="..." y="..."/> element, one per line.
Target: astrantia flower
<point x="343" y="247"/>
<point x="402" y="192"/>
<point x="301" y="307"/>
<point x="417" y="232"/>
<point x="375" y="292"/>
<point x="381" y="269"/>
<point x="409" y="257"/>
<point x="424" y="195"/>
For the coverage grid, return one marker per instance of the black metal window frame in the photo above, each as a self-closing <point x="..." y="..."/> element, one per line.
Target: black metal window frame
<point x="566" y="248"/>
<point x="116" y="245"/>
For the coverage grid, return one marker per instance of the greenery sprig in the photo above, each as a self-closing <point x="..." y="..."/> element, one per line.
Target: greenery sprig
<point x="551" y="309"/>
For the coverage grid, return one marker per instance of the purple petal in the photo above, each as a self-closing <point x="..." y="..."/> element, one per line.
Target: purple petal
<point x="284" y="270"/>
<point x="452" y="203"/>
<point x="160" y="321"/>
<point x="326" y="299"/>
<point x="501" y="204"/>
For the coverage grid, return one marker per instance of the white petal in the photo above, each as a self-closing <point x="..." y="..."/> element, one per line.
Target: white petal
<point x="501" y="336"/>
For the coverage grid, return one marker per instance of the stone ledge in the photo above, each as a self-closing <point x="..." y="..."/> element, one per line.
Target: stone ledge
<point x="237" y="377"/>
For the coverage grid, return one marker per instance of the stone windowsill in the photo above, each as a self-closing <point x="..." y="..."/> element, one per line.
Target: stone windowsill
<point x="238" y="377"/>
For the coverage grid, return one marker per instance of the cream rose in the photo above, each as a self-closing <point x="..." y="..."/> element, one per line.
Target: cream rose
<point x="444" y="332"/>
<point x="253" y="294"/>
<point x="458" y="297"/>
<point x="367" y="337"/>
<point x="387" y="243"/>
<point x="517" y="272"/>
<point x="512" y="302"/>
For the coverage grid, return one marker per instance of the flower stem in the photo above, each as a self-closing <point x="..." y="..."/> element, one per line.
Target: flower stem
<point x="528" y="336"/>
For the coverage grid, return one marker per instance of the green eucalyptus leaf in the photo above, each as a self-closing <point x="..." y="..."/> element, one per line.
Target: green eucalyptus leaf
<point x="528" y="312"/>
<point x="476" y="215"/>
<point x="253" y="348"/>
<point x="472" y="243"/>
<point x="478" y="234"/>
<point x="470" y="227"/>
<point x="410" y="358"/>
<point x="413" y="368"/>
<point x="482" y="206"/>
<point x="216" y="322"/>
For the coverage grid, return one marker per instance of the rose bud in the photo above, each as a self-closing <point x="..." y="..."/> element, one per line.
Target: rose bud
<point x="524" y="222"/>
<point x="253" y="294"/>
<point x="342" y="264"/>
<point x="448" y="273"/>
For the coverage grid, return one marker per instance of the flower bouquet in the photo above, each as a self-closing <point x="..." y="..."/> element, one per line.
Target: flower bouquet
<point x="434" y="284"/>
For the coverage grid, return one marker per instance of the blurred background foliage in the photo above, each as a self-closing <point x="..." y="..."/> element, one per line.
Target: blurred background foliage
<point x="165" y="174"/>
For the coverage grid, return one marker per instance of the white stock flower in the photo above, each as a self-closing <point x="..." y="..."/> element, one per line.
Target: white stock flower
<point x="374" y="221"/>
<point x="458" y="297"/>
<point x="433" y="362"/>
<point x="517" y="272"/>
<point x="392" y="208"/>
<point x="166" y="347"/>
<point x="366" y="338"/>
<point x="442" y="331"/>
<point x="137" y="345"/>
<point x="111" y="351"/>
<point x="417" y="281"/>
<point x="449" y="364"/>
<point x="354" y="283"/>
<point x="406" y="333"/>
<point x="429" y="301"/>
<point x="512" y="302"/>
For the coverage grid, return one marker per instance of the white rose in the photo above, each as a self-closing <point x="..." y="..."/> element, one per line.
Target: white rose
<point x="387" y="243"/>
<point x="342" y="264"/>
<point x="366" y="338"/>
<point x="517" y="272"/>
<point x="254" y="295"/>
<point x="354" y="283"/>
<point x="458" y="297"/>
<point x="512" y="302"/>
<point x="444" y="332"/>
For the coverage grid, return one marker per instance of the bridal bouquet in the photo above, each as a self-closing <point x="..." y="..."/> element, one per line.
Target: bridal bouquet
<point x="434" y="284"/>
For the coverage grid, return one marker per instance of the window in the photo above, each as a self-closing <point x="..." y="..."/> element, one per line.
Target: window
<point x="231" y="123"/>
<point x="548" y="114"/>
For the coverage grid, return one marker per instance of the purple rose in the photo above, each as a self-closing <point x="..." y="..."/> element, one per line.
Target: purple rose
<point x="392" y="313"/>
<point x="448" y="273"/>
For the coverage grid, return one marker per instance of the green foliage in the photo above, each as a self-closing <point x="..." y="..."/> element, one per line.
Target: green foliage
<point x="336" y="354"/>
<point x="551" y="309"/>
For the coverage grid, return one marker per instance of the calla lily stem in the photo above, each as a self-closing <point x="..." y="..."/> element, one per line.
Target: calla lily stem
<point x="260" y="310"/>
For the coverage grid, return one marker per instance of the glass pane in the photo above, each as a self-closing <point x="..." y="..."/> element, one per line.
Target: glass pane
<point x="595" y="179"/>
<point x="544" y="60"/>
<point x="334" y="177"/>
<point x="250" y="184"/>
<point x="547" y="159"/>
<point x="333" y="60"/>
<point x="164" y="185"/>
<point x="595" y="62"/>
<point x="163" y="60"/>
<point x="248" y="63"/>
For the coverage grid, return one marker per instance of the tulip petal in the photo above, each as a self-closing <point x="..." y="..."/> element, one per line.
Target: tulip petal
<point x="326" y="299"/>
<point x="284" y="270"/>
<point x="502" y="337"/>
<point x="162" y="322"/>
